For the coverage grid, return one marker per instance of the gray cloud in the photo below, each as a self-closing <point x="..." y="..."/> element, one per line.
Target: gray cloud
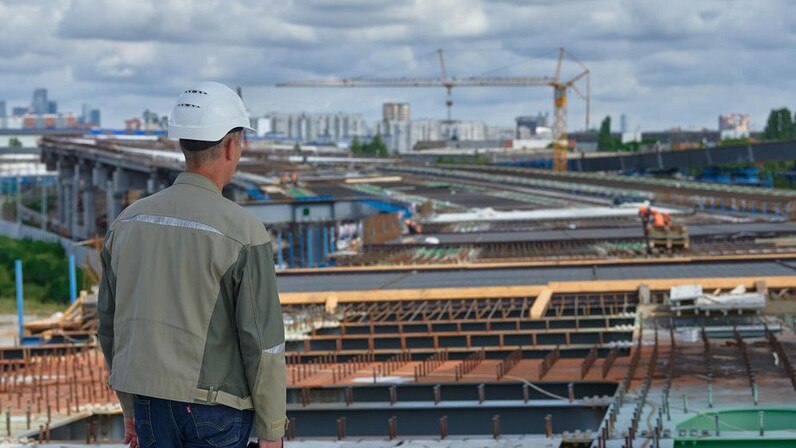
<point x="662" y="62"/>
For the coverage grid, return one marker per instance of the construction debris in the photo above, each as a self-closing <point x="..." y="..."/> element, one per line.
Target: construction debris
<point x="692" y="298"/>
<point x="80" y="317"/>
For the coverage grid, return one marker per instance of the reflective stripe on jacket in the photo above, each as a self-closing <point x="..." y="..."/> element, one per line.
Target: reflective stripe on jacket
<point x="188" y="304"/>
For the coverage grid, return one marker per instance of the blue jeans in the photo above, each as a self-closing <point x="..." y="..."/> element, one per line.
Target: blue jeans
<point x="165" y="423"/>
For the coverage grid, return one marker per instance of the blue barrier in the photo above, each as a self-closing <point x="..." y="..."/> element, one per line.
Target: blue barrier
<point x="72" y="280"/>
<point x="387" y="207"/>
<point x="20" y="305"/>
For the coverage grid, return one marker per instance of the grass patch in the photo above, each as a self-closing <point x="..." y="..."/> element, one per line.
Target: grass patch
<point x="34" y="307"/>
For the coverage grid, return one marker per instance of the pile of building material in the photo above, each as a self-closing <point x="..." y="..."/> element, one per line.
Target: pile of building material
<point x="79" y="318"/>
<point x="300" y="324"/>
<point x="692" y="298"/>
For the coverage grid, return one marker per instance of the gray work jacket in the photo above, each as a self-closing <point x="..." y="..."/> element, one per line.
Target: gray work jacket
<point x="188" y="304"/>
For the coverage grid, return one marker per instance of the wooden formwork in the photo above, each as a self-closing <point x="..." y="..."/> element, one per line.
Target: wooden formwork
<point x="321" y="297"/>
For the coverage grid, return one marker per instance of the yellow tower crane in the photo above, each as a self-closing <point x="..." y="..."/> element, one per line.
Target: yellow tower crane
<point x="559" y="85"/>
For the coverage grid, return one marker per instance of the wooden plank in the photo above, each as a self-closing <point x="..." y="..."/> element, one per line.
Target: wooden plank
<point x="578" y="287"/>
<point x="542" y="302"/>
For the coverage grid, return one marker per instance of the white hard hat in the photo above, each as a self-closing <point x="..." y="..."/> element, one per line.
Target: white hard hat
<point x="207" y="111"/>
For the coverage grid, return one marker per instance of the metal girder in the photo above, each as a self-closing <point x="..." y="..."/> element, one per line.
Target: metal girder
<point x="594" y="321"/>
<point x="423" y="418"/>
<point x="464" y="339"/>
<point x="424" y="392"/>
<point x="573" y="351"/>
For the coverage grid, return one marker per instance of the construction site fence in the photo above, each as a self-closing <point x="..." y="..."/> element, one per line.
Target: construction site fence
<point x="85" y="257"/>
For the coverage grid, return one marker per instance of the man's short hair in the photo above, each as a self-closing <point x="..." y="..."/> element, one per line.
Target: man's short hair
<point x="200" y="151"/>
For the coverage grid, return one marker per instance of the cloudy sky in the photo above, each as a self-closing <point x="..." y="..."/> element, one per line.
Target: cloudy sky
<point x="662" y="63"/>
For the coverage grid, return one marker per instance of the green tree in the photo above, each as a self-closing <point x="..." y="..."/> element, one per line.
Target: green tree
<point x="14" y="142"/>
<point x="356" y="146"/>
<point x="44" y="267"/>
<point x="779" y="125"/>
<point x="606" y="141"/>
<point x="297" y="148"/>
<point x="377" y="147"/>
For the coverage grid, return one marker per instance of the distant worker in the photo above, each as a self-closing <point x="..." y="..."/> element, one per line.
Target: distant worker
<point x="644" y="213"/>
<point x="667" y="219"/>
<point x="190" y="321"/>
<point x="657" y="219"/>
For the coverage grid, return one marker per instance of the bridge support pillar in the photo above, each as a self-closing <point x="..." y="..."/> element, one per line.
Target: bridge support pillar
<point x="59" y="202"/>
<point x="74" y="215"/>
<point x="64" y="207"/>
<point x="18" y="199"/>
<point x="88" y="198"/>
<point x="112" y="202"/>
<point x="89" y="211"/>
<point x="44" y="211"/>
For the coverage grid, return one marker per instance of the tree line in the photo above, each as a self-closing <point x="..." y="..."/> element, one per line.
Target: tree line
<point x="375" y="147"/>
<point x="44" y="268"/>
<point x="781" y="125"/>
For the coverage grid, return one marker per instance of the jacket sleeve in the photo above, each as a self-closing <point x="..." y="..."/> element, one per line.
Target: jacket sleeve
<point x="106" y="305"/>
<point x="261" y="335"/>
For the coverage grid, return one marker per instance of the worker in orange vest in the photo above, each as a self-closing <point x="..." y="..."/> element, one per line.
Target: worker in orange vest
<point x="657" y="219"/>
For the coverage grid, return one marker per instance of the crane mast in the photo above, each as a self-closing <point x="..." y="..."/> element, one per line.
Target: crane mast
<point x="560" y="91"/>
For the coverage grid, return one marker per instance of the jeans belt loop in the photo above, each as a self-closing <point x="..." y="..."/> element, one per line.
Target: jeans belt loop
<point x="211" y="395"/>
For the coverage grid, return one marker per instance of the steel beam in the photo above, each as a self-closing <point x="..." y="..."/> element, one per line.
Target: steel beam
<point x="419" y="392"/>
<point x="422" y="418"/>
<point x="574" y="351"/>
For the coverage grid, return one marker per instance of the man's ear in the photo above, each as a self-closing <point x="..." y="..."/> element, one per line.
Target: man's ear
<point x="229" y="149"/>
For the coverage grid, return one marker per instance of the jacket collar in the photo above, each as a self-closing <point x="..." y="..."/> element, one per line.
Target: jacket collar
<point x="196" y="180"/>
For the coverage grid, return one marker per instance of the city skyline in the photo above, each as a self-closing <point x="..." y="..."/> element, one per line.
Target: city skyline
<point x="42" y="112"/>
<point x="682" y="65"/>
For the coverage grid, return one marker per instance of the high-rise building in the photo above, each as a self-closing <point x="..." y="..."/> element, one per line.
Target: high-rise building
<point x="395" y="127"/>
<point x="425" y="130"/>
<point x="527" y="125"/>
<point x="85" y="111"/>
<point x="733" y="125"/>
<point x="403" y="136"/>
<point x="395" y="112"/>
<point x="463" y="130"/>
<point x="734" y="121"/>
<point x="95" y="117"/>
<point x="151" y="121"/>
<point x="308" y="127"/>
<point x="397" y="135"/>
<point x="89" y="115"/>
<point x="622" y="123"/>
<point x="263" y="126"/>
<point x="19" y="111"/>
<point x="52" y="107"/>
<point x="133" y="124"/>
<point x="499" y="133"/>
<point x="39" y="105"/>
<point x="3" y="109"/>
